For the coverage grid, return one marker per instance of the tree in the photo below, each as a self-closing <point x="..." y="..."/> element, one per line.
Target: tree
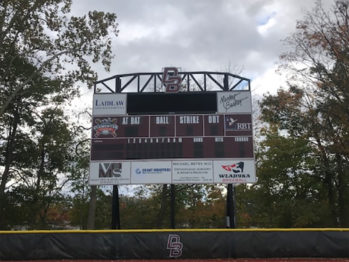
<point x="44" y="53"/>
<point x="38" y="177"/>
<point x="41" y="38"/>
<point x="289" y="192"/>
<point x="315" y="107"/>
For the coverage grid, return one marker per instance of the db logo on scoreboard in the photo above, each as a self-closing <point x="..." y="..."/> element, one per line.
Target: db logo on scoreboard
<point x="171" y="80"/>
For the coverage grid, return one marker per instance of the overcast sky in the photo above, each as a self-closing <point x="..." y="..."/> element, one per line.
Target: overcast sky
<point x="240" y="36"/>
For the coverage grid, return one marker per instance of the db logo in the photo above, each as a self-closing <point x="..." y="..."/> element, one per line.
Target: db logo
<point x="171" y="79"/>
<point x="175" y="245"/>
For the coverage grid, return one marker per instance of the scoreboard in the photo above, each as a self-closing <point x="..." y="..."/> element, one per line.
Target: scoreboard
<point x="203" y="137"/>
<point x="172" y="136"/>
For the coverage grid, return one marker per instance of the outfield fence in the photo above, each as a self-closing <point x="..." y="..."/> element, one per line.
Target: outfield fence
<point x="179" y="244"/>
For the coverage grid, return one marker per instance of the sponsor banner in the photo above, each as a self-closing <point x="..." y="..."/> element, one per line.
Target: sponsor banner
<point x="172" y="172"/>
<point x="109" y="104"/>
<point x="234" y="102"/>
<point x="151" y="172"/>
<point x="234" y="171"/>
<point x="192" y="172"/>
<point x="110" y="173"/>
<point x="238" y="123"/>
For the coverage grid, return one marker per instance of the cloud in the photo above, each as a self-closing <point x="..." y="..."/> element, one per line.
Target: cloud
<point x="266" y="23"/>
<point x="268" y="82"/>
<point x="265" y="19"/>
<point x="201" y="34"/>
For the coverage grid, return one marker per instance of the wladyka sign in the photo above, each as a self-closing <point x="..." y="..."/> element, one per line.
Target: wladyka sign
<point x="173" y="137"/>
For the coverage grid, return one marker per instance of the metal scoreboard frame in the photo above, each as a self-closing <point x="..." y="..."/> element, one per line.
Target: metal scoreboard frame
<point x="197" y="131"/>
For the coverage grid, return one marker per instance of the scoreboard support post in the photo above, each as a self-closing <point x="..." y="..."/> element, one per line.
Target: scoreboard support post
<point x="115" y="217"/>
<point x="173" y="205"/>
<point x="230" y="206"/>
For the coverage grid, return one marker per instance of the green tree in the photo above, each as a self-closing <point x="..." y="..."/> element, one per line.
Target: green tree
<point x="44" y="53"/>
<point x="77" y="174"/>
<point x="42" y="38"/>
<point x="39" y="176"/>
<point x="289" y="192"/>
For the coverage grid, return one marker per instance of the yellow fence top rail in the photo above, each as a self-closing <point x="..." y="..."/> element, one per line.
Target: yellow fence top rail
<point x="170" y="230"/>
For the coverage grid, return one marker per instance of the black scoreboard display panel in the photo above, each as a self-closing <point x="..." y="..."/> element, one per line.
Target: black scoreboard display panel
<point x="155" y="135"/>
<point x="165" y="103"/>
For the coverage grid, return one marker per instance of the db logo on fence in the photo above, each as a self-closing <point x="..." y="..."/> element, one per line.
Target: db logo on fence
<point x="175" y="245"/>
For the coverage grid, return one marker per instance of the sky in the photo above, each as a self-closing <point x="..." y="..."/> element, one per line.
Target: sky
<point x="243" y="37"/>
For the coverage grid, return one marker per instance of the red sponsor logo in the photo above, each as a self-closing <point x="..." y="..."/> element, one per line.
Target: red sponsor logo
<point x="229" y="167"/>
<point x="236" y="168"/>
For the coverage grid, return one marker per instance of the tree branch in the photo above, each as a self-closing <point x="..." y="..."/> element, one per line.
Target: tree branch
<point x="22" y="85"/>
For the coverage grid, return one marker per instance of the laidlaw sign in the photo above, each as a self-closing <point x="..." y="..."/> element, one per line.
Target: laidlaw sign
<point x="109" y="104"/>
<point x="172" y="138"/>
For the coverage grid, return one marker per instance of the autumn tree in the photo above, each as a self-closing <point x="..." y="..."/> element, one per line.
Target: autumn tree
<point x="315" y="107"/>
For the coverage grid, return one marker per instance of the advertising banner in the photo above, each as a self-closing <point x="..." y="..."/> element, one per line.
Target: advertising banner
<point x="234" y="171"/>
<point x="192" y="172"/>
<point x="151" y="172"/>
<point x="234" y="102"/>
<point x="110" y="173"/>
<point x="109" y="104"/>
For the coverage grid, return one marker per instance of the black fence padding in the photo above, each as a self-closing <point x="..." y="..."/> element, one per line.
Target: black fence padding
<point x="177" y="244"/>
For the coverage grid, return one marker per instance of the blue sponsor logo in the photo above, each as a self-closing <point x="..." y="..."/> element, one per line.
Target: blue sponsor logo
<point x="146" y="171"/>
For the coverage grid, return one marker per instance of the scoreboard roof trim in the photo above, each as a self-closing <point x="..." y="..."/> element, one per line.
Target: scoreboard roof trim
<point x="195" y="81"/>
